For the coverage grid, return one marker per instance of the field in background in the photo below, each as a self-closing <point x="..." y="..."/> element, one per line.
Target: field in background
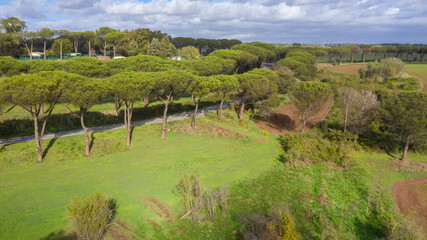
<point x="351" y="69"/>
<point x="418" y="71"/>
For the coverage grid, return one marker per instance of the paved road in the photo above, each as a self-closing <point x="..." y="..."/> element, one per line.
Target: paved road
<point x="174" y="117"/>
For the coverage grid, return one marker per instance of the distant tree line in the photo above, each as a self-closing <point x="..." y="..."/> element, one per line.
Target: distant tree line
<point x="16" y="41"/>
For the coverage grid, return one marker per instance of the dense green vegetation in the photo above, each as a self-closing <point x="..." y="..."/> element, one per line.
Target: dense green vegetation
<point x="221" y="178"/>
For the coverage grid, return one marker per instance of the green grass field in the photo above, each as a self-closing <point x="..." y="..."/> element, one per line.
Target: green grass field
<point x="33" y="197"/>
<point x="418" y="71"/>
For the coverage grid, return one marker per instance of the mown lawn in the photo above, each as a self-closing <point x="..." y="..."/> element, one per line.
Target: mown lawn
<point x="33" y="197"/>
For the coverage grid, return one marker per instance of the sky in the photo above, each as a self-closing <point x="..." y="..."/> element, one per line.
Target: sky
<point x="292" y="21"/>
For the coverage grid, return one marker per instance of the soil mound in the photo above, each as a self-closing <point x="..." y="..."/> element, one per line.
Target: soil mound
<point x="411" y="195"/>
<point x="286" y="118"/>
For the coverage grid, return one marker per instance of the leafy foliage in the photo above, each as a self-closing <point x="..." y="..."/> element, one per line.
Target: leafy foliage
<point x="10" y="66"/>
<point x="86" y="66"/>
<point x="92" y="217"/>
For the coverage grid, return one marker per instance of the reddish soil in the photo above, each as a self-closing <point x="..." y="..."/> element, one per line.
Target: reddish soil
<point x="286" y="118"/>
<point x="351" y="69"/>
<point x="411" y="195"/>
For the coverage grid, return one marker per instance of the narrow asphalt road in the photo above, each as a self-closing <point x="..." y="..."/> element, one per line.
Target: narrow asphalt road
<point x="174" y="117"/>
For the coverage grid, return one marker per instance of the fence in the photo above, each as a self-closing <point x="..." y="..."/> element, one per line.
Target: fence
<point x="53" y="57"/>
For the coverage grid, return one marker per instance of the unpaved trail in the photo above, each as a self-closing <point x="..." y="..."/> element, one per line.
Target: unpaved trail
<point x="410" y="195"/>
<point x="286" y="118"/>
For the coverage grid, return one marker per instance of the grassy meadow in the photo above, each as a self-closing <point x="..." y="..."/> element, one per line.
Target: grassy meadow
<point x="33" y="197"/>
<point x="418" y="71"/>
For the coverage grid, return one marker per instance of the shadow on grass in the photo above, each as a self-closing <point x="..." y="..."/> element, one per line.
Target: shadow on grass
<point x="92" y="140"/>
<point x="390" y="153"/>
<point x="131" y="133"/>
<point x="3" y="147"/>
<point x="63" y="122"/>
<point x="51" y="142"/>
<point x="60" y="235"/>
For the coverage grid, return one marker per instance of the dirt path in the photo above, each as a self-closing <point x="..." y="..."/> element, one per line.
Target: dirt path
<point x="412" y="194"/>
<point x="286" y="118"/>
<point x="421" y="77"/>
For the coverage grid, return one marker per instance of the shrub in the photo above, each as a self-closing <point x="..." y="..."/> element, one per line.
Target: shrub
<point x="277" y="225"/>
<point x="197" y="203"/>
<point x="86" y="66"/>
<point x="9" y="66"/>
<point x="387" y="68"/>
<point x="91" y="217"/>
<point x="313" y="148"/>
<point x="264" y="132"/>
<point x="36" y="66"/>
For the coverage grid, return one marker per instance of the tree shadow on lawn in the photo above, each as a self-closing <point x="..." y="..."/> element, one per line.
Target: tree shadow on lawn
<point x="51" y="142"/>
<point x="60" y="235"/>
<point x="92" y="140"/>
<point x="3" y="147"/>
<point x="131" y="132"/>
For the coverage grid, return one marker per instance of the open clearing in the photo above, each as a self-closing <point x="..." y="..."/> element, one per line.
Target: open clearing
<point x="34" y="197"/>
<point x="418" y="71"/>
<point x="412" y="195"/>
<point x="286" y="118"/>
<point x="351" y="69"/>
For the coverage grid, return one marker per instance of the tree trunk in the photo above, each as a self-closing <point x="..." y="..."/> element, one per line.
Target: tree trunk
<point x="352" y="58"/>
<point x="146" y="102"/>
<point x="76" y="45"/>
<point x="345" y="118"/>
<point x="114" y="51"/>
<point x="87" y="151"/>
<point x="31" y="51"/>
<point x="90" y="50"/>
<point x="304" y="121"/>
<point x="116" y="105"/>
<point x="242" y="109"/>
<point x="44" y="50"/>
<point x="38" y="139"/>
<point x="60" y="50"/>
<point x="105" y="48"/>
<point x="341" y="59"/>
<point x="127" y="118"/>
<point x="363" y="58"/>
<point x="193" y="122"/>
<point x="165" y="114"/>
<point x="405" y="151"/>
<point x="220" y="107"/>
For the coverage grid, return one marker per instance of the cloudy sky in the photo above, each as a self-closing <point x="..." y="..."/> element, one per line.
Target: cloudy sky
<point x="304" y="21"/>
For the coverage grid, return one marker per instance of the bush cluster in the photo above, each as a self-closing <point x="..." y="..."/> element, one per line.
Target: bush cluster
<point x="386" y="68"/>
<point x="314" y="147"/>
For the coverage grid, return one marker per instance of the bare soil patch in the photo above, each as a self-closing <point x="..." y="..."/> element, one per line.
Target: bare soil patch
<point x="351" y="69"/>
<point x="410" y="196"/>
<point x="286" y="118"/>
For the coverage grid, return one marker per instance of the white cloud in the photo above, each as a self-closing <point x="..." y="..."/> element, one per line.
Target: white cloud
<point x="265" y="20"/>
<point x="392" y="11"/>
